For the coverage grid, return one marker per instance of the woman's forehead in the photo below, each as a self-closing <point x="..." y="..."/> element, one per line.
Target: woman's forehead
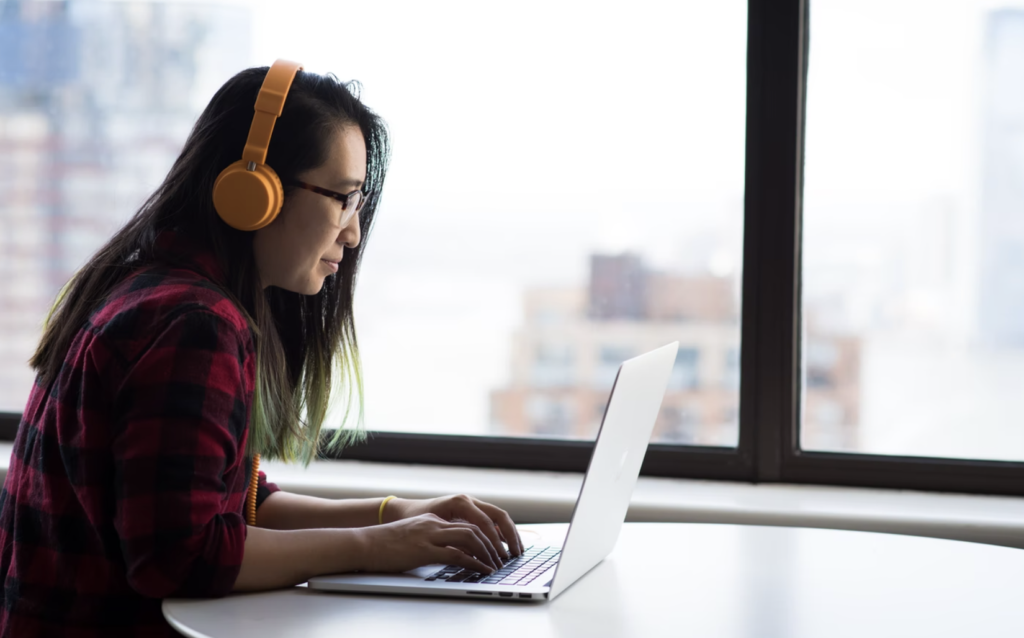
<point x="345" y="164"/>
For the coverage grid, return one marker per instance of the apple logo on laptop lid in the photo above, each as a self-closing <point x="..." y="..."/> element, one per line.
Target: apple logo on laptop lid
<point x="622" y="465"/>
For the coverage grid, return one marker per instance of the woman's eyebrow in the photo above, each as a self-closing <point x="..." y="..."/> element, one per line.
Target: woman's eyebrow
<point x="347" y="182"/>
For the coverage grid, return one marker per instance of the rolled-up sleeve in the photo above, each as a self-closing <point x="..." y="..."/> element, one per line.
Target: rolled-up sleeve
<point x="264" y="489"/>
<point x="181" y="417"/>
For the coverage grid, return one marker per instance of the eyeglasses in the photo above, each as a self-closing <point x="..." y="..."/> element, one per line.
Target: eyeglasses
<point x="351" y="203"/>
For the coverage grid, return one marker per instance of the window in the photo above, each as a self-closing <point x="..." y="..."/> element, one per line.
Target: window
<point x="518" y="238"/>
<point x="601" y="182"/>
<point x="913" y="272"/>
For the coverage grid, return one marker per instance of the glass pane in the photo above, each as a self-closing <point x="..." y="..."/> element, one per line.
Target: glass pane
<point x="914" y="229"/>
<point x="96" y="99"/>
<point x="566" y="189"/>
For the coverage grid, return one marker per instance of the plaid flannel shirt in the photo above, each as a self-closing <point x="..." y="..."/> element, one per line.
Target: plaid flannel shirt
<point x="128" y="477"/>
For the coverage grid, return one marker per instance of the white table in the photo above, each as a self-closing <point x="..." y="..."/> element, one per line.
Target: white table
<point x="670" y="579"/>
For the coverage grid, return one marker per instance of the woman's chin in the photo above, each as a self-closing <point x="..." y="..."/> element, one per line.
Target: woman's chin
<point x="315" y="287"/>
<point x="311" y="286"/>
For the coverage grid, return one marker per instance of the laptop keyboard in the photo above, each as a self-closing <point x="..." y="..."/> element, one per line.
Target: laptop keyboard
<point x="521" y="570"/>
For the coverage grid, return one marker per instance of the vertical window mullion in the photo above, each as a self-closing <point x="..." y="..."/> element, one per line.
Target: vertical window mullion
<point x="769" y="392"/>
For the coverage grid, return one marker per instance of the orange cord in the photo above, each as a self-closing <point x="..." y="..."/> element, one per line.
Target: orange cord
<point x="250" y="497"/>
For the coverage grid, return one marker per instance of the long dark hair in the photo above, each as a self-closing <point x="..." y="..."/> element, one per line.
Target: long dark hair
<point x="299" y="338"/>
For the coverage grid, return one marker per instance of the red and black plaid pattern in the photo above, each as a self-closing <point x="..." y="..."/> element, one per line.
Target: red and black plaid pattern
<point x="128" y="475"/>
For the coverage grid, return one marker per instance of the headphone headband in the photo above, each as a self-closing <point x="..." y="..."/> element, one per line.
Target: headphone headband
<point x="269" y="104"/>
<point x="248" y="194"/>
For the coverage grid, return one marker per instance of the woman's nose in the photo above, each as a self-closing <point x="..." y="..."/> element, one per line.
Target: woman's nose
<point x="351" y="233"/>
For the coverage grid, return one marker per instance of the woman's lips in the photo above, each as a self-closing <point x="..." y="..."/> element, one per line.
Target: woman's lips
<point x="331" y="264"/>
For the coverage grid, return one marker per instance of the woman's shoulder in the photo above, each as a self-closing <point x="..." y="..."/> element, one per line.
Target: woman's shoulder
<point x="152" y="298"/>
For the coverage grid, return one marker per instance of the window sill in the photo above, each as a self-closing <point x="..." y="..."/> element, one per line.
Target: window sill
<point x="541" y="497"/>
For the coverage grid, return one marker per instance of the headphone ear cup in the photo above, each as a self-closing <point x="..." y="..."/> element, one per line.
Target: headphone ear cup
<point x="247" y="200"/>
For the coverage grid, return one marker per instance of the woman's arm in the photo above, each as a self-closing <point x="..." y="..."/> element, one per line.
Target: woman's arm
<point x="275" y="558"/>
<point x="284" y="511"/>
<point x="281" y="558"/>
<point x="175" y="428"/>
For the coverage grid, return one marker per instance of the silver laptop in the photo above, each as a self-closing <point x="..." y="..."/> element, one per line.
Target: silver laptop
<point x="542" y="573"/>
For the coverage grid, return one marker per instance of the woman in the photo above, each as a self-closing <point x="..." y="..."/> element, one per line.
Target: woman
<point x="184" y="348"/>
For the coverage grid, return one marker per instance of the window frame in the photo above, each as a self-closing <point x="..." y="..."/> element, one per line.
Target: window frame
<point x="770" y="374"/>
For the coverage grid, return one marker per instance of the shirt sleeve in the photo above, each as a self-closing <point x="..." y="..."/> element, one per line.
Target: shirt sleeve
<point x="181" y="415"/>
<point x="264" y="489"/>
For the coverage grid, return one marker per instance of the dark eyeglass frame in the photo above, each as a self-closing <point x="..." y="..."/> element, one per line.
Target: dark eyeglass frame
<point x="341" y="197"/>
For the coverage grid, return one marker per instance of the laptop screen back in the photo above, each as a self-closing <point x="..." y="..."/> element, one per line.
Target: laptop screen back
<point x="615" y="464"/>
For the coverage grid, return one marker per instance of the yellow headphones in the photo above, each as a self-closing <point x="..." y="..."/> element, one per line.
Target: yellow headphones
<point x="248" y="194"/>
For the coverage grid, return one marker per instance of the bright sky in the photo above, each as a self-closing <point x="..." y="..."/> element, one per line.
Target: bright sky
<point x="548" y="94"/>
<point x="555" y="73"/>
<point x="894" y="90"/>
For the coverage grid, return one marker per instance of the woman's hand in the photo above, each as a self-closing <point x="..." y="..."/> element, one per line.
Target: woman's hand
<point x="494" y="522"/>
<point x="425" y="539"/>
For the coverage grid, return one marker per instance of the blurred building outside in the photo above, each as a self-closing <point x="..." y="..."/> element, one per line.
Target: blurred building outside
<point x="96" y="99"/>
<point x="573" y="339"/>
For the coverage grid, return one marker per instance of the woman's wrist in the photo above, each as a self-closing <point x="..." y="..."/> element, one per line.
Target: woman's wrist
<point x="354" y="551"/>
<point x="395" y="510"/>
<point x="383" y="504"/>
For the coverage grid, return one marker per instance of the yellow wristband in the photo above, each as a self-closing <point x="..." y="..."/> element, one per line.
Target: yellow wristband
<point x="380" y="512"/>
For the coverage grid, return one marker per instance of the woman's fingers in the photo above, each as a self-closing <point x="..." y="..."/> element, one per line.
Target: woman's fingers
<point x="504" y="523"/>
<point x="469" y="539"/>
<point x="428" y="538"/>
<point x="493" y="522"/>
<point x="455" y="556"/>
<point x="473" y="514"/>
<point x="488" y="517"/>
